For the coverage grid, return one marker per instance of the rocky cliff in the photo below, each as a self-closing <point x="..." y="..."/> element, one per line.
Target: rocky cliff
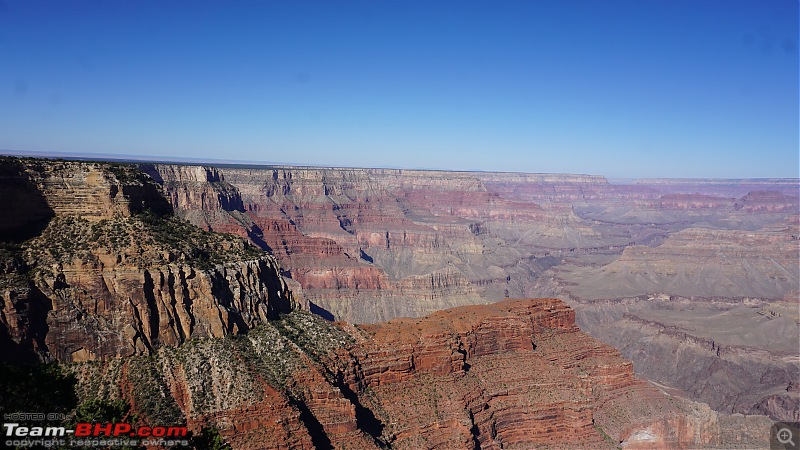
<point x="328" y="227"/>
<point x="517" y="374"/>
<point x="738" y="358"/>
<point x="366" y="245"/>
<point x="373" y="244"/>
<point x="106" y="271"/>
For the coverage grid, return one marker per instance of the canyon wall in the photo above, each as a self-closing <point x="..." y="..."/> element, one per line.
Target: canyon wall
<point x="112" y="274"/>
<point x="698" y="288"/>
<point x="366" y="245"/>
<point x="373" y="244"/>
<point x="516" y="374"/>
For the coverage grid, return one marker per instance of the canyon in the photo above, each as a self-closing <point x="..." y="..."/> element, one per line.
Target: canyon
<point x="207" y="295"/>
<point x="369" y="245"/>
<point x="515" y="374"/>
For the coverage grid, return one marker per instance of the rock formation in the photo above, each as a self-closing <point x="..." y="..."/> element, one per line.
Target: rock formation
<point x="113" y="274"/>
<point x="366" y="245"/>
<point x="516" y="374"/>
<point x="695" y="281"/>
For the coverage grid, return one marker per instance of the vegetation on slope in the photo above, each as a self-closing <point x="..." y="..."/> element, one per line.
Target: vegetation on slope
<point x="143" y="240"/>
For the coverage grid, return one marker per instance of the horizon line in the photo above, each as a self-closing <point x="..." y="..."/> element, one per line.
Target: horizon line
<point x="213" y="162"/>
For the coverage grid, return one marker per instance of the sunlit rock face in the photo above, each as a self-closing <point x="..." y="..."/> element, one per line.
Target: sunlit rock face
<point x="515" y="374"/>
<point x="366" y="245"/>
<point x="373" y="244"/>
<point x="193" y="326"/>
<point x="108" y="272"/>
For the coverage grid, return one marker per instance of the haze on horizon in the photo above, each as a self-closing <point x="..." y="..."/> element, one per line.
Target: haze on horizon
<point x="625" y="89"/>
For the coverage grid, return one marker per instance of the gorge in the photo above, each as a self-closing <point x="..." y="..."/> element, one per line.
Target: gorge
<point x="472" y="309"/>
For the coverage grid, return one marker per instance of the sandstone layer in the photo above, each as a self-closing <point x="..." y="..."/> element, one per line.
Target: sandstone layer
<point x="516" y="374"/>
<point x="112" y="274"/>
<point x="94" y="267"/>
<point x="366" y="245"/>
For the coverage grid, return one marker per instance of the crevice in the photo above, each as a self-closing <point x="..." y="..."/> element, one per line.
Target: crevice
<point x="365" y="418"/>
<point x="319" y="438"/>
<point x="475" y="432"/>
<point x="152" y="308"/>
<point x="137" y="326"/>
<point x="173" y="301"/>
<point x="187" y="299"/>
<point x="222" y="292"/>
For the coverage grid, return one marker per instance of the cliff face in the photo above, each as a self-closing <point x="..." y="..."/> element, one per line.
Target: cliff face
<point x="101" y="311"/>
<point x="517" y="374"/>
<point x="373" y="244"/>
<point x="195" y="187"/>
<point x="329" y="228"/>
<point x="111" y="273"/>
<point x="738" y="359"/>
<point x="198" y="327"/>
<point x="366" y="245"/>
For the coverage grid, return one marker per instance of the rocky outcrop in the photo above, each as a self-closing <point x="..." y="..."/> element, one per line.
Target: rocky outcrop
<point x="99" y="312"/>
<point x="195" y="187"/>
<point x="516" y="374"/>
<point x="767" y="201"/>
<point x="33" y="191"/>
<point x="112" y="274"/>
<point x="94" y="191"/>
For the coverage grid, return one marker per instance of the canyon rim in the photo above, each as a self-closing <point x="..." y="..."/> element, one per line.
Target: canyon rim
<point x="399" y="224"/>
<point x="305" y="307"/>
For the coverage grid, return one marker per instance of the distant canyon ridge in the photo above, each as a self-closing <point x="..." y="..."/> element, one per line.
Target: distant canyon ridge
<point x="168" y="281"/>
<point x="694" y="280"/>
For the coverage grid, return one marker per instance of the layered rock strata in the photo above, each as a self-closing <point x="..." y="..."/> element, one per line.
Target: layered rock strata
<point x="369" y="244"/>
<point x="698" y="262"/>
<point x="372" y="244"/>
<point x="517" y="374"/>
<point x="113" y="274"/>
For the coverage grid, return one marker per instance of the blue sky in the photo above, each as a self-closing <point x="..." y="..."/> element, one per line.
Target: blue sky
<point x="622" y="88"/>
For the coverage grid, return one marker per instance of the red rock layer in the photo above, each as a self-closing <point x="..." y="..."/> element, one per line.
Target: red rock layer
<point x="517" y="374"/>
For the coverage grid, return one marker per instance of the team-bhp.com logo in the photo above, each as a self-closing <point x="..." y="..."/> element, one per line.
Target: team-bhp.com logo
<point x="90" y="434"/>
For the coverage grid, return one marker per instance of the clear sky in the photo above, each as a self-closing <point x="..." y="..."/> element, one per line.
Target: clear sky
<point x="622" y="88"/>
